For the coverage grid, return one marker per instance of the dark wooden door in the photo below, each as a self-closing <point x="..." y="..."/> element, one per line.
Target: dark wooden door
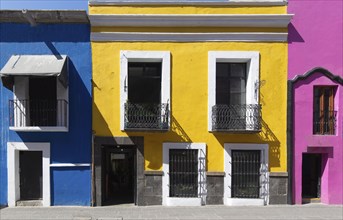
<point x="311" y="175"/>
<point x="30" y="165"/>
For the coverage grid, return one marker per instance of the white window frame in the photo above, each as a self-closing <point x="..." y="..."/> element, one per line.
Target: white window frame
<point x="202" y="191"/>
<point x="264" y="178"/>
<point x="21" y="92"/>
<point x="127" y="56"/>
<point x="251" y="58"/>
<point x="13" y="181"/>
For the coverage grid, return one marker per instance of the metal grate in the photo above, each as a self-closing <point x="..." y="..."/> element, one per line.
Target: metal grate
<point x="246" y="173"/>
<point x="236" y="117"/>
<point x="324" y="122"/>
<point x="146" y="116"/>
<point x="26" y="113"/>
<point x="183" y="173"/>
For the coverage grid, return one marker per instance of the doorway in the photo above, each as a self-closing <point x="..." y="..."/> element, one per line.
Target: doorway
<point x="119" y="175"/>
<point x="43" y="101"/>
<point x="311" y="176"/>
<point x="30" y="168"/>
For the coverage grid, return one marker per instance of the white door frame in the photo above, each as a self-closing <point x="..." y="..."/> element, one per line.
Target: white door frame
<point x="13" y="149"/>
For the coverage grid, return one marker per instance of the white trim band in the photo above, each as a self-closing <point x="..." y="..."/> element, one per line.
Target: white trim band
<point x="191" y="20"/>
<point x="187" y="2"/>
<point x="187" y="37"/>
<point x="70" y="165"/>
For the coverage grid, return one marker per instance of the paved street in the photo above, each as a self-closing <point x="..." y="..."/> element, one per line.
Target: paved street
<point x="313" y="211"/>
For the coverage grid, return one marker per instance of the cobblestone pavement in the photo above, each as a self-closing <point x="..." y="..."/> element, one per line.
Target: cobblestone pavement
<point x="313" y="211"/>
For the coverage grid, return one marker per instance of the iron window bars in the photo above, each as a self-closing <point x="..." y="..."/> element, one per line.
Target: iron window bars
<point x="183" y="172"/>
<point x="246" y="173"/>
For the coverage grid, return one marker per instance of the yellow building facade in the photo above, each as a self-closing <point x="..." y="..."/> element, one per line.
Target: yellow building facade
<point x="199" y="148"/>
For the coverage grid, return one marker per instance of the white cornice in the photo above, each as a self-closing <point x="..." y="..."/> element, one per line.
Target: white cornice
<point x="192" y="20"/>
<point x="187" y="2"/>
<point x="187" y="37"/>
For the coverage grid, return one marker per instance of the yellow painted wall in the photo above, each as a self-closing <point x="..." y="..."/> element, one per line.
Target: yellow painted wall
<point x="189" y="99"/>
<point x="189" y="86"/>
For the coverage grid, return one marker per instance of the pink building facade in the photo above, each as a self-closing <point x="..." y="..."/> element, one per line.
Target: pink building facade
<point x="315" y="115"/>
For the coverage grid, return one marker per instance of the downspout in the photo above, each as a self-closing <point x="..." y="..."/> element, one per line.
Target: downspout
<point x="290" y="99"/>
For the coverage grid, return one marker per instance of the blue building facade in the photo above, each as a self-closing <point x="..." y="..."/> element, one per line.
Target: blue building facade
<point x="37" y="50"/>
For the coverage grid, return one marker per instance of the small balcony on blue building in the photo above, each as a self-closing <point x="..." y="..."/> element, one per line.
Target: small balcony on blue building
<point x="40" y="92"/>
<point x="236" y="118"/>
<point x="147" y="116"/>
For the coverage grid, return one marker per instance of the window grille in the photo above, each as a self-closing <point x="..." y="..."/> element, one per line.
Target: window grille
<point x="183" y="173"/>
<point x="246" y="173"/>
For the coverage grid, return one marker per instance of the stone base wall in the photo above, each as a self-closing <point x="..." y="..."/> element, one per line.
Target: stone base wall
<point x="215" y="188"/>
<point x="152" y="188"/>
<point x="278" y="188"/>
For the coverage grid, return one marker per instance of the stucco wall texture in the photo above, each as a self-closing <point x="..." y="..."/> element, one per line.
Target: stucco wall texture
<point x="315" y="40"/>
<point x="69" y="185"/>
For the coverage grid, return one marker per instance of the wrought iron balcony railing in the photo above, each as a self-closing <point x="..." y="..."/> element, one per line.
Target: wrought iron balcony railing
<point x="236" y="118"/>
<point x="40" y="113"/>
<point x="324" y="122"/>
<point x="146" y="116"/>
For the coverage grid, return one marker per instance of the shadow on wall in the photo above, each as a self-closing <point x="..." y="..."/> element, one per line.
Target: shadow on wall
<point x="266" y="136"/>
<point x="80" y="127"/>
<point x="177" y="133"/>
<point x="294" y="35"/>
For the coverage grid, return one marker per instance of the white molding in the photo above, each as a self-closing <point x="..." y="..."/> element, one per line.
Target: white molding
<point x="39" y="129"/>
<point x="13" y="149"/>
<point x="202" y="191"/>
<point x="188" y="37"/>
<point x="70" y="165"/>
<point x="187" y="2"/>
<point x="191" y="20"/>
<point x="252" y="58"/>
<point x="127" y="56"/>
<point x="264" y="178"/>
<point x="243" y="202"/>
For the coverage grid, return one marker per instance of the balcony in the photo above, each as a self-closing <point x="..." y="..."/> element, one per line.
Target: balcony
<point x="324" y="122"/>
<point x="236" y="118"/>
<point x="143" y="117"/>
<point x="38" y="115"/>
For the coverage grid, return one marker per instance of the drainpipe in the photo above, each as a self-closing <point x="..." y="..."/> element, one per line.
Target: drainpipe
<point x="28" y="16"/>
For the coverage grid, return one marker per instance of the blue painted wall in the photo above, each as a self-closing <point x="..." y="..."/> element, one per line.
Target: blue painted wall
<point x="69" y="185"/>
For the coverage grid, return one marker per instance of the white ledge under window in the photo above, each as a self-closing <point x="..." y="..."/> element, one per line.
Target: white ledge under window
<point x="39" y="129"/>
<point x="191" y="20"/>
<point x="187" y="2"/>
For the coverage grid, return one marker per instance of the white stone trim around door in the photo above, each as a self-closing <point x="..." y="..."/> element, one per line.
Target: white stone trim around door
<point x="264" y="177"/>
<point x="13" y="149"/>
<point x="127" y="56"/>
<point x="202" y="191"/>
<point x="251" y="58"/>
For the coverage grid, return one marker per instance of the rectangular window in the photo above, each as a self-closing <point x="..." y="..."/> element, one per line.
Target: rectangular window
<point x="144" y="82"/>
<point x="246" y="173"/>
<point x="183" y="171"/>
<point x="324" y="116"/>
<point x="231" y="83"/>
<point x="144" y="90"/>
<point x="233" y="91"/>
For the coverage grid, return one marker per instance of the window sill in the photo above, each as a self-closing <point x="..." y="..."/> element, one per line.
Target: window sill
<point x="40" y="129"/>
<point x="174" y="201"/>
<point x="236" y="131"/>
<point x="244" y="202"/>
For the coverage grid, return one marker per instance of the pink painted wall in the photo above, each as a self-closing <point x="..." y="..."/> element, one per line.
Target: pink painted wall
<point x="315" y="36"/>
<point x="315" y="40"/>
